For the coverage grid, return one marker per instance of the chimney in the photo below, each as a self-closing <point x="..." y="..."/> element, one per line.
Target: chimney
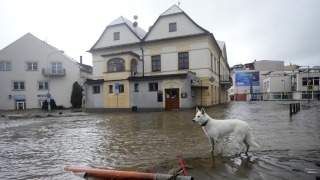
<point x="80" y="59"/>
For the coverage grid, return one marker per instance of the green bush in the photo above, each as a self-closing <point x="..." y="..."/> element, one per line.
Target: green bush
<point x="76" y="96"/>
<point x="52" y="104"/>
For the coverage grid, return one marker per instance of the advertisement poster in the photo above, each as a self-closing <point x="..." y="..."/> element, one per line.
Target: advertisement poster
<point x="247" y="78"/>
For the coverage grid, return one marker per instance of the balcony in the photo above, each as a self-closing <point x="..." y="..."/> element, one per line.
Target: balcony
<point x="226" y="81"/>
<point x="53" y="72"/>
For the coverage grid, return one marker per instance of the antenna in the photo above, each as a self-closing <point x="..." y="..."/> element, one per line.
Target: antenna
<point x="179" y="3"/>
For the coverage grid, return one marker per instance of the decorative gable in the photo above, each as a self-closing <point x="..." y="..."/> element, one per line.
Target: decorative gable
<point x="119" y="32"/>
<point x="173" y="23"/>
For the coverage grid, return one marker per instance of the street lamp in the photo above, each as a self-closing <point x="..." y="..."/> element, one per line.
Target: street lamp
<point x="48" y="77"/>
<point x="284" y="87"/>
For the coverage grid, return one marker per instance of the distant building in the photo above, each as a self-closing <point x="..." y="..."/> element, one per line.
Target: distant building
<point x="30" y="69"/>
<point x="176" y="64"/>
<point x="248" y="79"/>
<point x="271" y="80"/>
<point x="299" y="83"/>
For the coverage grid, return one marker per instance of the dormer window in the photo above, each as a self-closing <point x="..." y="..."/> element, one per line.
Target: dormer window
<point x="116" y="36"/>
<point x="172" y="27"/>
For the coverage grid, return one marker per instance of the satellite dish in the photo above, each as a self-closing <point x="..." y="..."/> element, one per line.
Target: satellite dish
<point x="135" y="24"/>
<point x="135" y="17"/>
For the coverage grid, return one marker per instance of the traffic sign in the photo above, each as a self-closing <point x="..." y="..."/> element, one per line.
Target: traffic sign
<point x="116" y="87"/>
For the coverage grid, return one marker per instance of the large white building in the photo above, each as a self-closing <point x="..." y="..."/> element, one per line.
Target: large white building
<point x="31" y="68"/>
<point x="176" y="64"/>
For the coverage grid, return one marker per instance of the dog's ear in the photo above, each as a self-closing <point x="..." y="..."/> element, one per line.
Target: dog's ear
<point x="202" y="111"/>
<point x="197" y="109"/>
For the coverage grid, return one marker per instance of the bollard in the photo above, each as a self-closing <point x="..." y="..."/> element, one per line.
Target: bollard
<point x="290" y="110"/>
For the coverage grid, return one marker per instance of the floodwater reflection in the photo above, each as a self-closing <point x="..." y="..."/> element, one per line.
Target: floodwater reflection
<point x="40" y="148"/>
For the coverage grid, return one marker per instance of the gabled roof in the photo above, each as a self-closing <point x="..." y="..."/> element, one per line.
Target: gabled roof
<point x="35" y="39"/>
<point x="173" y="10"/>
<point x="137" y="31"/>
<point x="221" y="44"/>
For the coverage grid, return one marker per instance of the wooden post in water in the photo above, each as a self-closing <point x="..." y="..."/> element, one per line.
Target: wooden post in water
<point x="290" y="109"/>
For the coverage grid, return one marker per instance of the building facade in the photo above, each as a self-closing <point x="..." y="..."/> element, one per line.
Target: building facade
<point x="296" y="84"/>
<point x="248" y="79"/>
<point x="271" y="80"/>
<point x="176" y="64"/>
<point x="30" y="69"/>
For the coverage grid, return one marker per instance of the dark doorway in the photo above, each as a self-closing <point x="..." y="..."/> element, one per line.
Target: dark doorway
<point x="172" y="99"/>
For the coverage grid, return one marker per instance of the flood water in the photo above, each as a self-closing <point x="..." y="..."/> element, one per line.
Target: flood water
<point x="39" y="148"/>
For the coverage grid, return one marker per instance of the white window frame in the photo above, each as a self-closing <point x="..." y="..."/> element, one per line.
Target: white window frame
<point x="33" y="66"/>
<point x="5" y="66"/>
<point x="56" y="68"/>
<point x="20" y="86"/>
<point x="43" y="85"/>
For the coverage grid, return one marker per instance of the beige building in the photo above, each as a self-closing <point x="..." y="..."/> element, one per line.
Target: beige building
<point x="176" y="64"/>
<point x="31" y="68"/>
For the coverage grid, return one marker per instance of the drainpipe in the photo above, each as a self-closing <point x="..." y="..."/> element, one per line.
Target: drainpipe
<point x="142" y="58"/>
<point x="219" y="79"/>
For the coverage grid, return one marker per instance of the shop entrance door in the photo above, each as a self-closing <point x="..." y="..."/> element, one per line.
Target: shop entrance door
<point x="172" y="99"/>
<point x="20" y="104"/>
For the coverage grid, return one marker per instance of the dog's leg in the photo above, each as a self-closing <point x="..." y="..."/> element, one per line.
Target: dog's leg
<point x="212" y="144"/>
<point x="241" y="143"/>
<point x="247" y="146"/>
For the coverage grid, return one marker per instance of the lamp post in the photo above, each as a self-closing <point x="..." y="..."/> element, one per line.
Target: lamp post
<point x="284" y="87"/>
<point x="48" y="77"/>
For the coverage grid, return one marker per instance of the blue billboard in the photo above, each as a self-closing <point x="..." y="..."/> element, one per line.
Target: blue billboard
<point x="247" y="79"/>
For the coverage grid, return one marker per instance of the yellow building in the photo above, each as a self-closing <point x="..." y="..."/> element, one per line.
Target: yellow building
<point x="176" y="64"/>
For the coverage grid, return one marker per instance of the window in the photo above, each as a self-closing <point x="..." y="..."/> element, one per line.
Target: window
<point x="5" y="66"/>
<point x="43" y="85"/>
<point x="156" y="63"/>
<point x="116" y="36"/>
<point x="183" y="60"/>
<point x="310" y="81"/>
<point x="153" y="86"/>
<point x="121" y="88"/>
<point x="57" y="68"/>
<point x="96" y="89"/>
<point x="316" y="81"/>
<point x="32" y="66"/>
<point x="110" y="88"/>
<point x="172" y="27"/>
<point x="116" y="65"/>
<point x="18" y="86"/>
<point x="160" y="96"/>
<point x="136" y="87"/>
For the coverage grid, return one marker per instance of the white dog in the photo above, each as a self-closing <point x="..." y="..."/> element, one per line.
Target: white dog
<point x="215" y="129"/>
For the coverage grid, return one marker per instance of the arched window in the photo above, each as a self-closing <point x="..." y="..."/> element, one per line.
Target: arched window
<point x="116" y="65"/>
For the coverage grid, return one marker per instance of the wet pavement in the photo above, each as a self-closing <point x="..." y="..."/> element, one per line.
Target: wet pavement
<point x="39" y="147"/>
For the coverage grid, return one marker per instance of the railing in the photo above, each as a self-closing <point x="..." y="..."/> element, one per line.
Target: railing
<point x="53" y="72"/>
<point x="225" y="79"/>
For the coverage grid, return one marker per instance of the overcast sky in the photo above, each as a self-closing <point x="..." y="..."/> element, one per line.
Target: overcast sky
<point x="287" y="30"/>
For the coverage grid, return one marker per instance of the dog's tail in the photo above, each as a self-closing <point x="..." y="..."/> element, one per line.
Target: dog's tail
<point x="250" y="141"/>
